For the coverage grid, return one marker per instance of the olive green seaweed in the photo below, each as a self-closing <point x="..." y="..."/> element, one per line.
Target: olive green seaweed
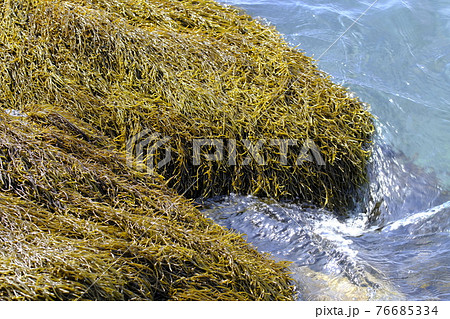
<point x="77" y="223"/>
<point x="78" y="79"/>
<point x="187" y="70"/>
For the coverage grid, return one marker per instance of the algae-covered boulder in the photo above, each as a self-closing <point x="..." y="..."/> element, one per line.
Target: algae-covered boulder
<point x="205" y="79"/>
<point x="86" y="84"/>
<point x="77" y="223"/>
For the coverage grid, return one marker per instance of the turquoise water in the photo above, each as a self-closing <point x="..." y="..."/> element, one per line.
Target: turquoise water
<point x="396" y="57"/>
<point x="396" y="245"/>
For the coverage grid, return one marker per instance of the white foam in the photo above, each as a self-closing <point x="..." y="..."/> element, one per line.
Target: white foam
<point x="417" y="217"/>
<point x="337" y="231"/>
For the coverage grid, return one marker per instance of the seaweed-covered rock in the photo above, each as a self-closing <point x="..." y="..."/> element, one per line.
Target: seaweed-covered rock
<point x="190" y="71"/>
<point x="79" y="80"/>
<point x="77" y="223"/>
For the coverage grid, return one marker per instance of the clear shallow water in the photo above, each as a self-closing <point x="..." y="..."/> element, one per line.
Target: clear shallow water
<point x="347" y="259"/>
<point x="396" y="245"/>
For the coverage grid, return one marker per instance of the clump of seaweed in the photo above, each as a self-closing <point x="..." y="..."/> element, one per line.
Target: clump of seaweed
<point x="77" y="223"/>
<point x="190" y="70"/>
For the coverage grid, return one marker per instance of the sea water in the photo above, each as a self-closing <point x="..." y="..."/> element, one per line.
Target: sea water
<point x="395" y="55"/>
